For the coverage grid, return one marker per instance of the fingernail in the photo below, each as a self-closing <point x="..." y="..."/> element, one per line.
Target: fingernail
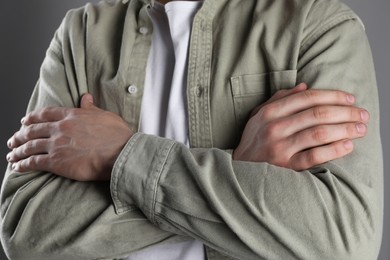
<point x="302" y="85"/>
<point x="10" y="158"/>
<point x="348" y="144"/>
<point x="22" y="120"/>
<point x="350" y="98"/>
<point x="13" y="166"/>
<point x="364" y="115"/>
<point x="361" y="128"/>
<point x="90" y="99"/>
<point x="9" y="143"/>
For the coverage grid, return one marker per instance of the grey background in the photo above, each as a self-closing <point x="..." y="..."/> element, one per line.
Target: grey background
<point x="26" y="28"/>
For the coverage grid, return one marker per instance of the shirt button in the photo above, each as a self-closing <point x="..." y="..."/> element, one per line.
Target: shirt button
<point x="198" y="91"/>
<point x="202" y="25"/>
<point x="132" y="89"/>
<point x="143" y="30"/>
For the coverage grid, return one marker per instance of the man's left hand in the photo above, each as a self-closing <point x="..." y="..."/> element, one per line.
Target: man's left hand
<point x="77" y="143"/>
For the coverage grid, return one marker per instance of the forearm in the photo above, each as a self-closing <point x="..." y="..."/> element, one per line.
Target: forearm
<point x="45" y="216"/>
<point x="247" y="210"/>
<point x="252" y="210"/>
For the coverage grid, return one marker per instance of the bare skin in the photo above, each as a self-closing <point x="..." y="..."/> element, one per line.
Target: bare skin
<point x="300" y="128"/>
<point x="296" y="128"/>
<point x="81" y="143"/>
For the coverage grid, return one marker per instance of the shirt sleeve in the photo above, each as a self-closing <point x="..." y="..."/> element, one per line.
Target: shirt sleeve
<point x="257" y="210"/>
<point x="245" y="210"/>
<point x="44" y="216"/>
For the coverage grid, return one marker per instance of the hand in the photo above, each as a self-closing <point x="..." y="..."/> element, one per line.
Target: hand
<point x="301" y="128"/>
<point x="77" y="143"/>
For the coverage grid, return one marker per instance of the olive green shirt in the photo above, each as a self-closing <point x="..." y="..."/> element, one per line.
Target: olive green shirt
<point x="241" y="52"/>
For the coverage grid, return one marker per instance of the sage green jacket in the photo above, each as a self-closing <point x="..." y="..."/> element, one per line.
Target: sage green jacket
<point x="241" y="52"/>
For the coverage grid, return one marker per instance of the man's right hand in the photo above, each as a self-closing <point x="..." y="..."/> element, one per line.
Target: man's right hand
<point x="300" y="128"/>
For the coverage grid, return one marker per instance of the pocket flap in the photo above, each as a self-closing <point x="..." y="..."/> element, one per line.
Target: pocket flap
<point x="247" y="85"/>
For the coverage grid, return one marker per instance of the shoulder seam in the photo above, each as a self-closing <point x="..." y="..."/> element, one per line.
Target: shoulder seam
<point x="342" y="17"/>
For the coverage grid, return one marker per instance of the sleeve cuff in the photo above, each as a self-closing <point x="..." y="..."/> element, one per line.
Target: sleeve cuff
<point x="136" y="173"/>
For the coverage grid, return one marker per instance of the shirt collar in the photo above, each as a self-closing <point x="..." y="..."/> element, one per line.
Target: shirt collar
<point x="208" y="6"/>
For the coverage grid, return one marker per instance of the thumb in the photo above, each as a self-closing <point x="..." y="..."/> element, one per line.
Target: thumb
<point x="281" y="94"/>
<point x="87" y="101"/>
<point x="288" y="92"/>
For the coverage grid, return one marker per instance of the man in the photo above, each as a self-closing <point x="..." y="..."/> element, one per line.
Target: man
<point x="282" y="179"/>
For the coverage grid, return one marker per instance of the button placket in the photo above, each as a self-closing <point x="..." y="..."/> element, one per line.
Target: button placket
<point x="198" y="90"/>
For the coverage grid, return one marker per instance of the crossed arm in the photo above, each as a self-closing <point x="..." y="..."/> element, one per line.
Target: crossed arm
<point x="265" y="201"/>
<point x="296" y="129"/>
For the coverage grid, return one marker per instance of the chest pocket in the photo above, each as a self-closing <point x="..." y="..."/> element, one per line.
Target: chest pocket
<point x="250" y="91"/>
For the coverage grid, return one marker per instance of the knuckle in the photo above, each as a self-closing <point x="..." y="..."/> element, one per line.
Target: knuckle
<point x="319" y="134"/>
<point x="311" y="94"/>
<point x="270" y="130"/>
<point x="41" y="160"/>
<point x="45" y="112"/>
<point x="30" y="116"/>
<point x="64" y="125"/>
<point x="267" y="111"/>
<point x="31" y="162"/>
<point x="26" y="164"/>
<point x="27" y="118"/>
<point x="55" y="156"/>
<point x="341" y="95"/>
<point x="74" y="112"/>
<point x="28" y="132"/>
<point x="320" y="112"/>
<point x="354" y="113"/>
<point x="30" y="146"/>
<point x="61" y="141"/>
<point x="280" y="93"/>
<point x="350" y="130"/>
<point x="26" y="149"/>
<point x="312" y="158"/>
<point x="338" y="150"/>
<point x="278" y="155"/>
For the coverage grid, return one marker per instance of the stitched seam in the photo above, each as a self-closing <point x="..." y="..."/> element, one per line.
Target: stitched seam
<point x="157" y="180"/>
<point x="206" y="78"/>
<point x="345" y="16"/>
<point x="118" y="169"/>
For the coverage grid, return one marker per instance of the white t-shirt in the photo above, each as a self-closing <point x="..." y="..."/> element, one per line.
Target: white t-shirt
<point x="164" y="103"/>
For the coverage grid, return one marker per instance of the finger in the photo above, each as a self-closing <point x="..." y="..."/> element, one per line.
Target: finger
<point x="87" y="101"/>
<point x="30" y="132"/>
<point x="325" y="134"/>
<point x="319" y="155"/>
<point x="321" y="115"/>
<point x="49" y="114"/>
<point x="33" y="163"/>
<point x="30" y="148"/>
<point x="287" y="92"/>
<point x="304" y="100"/>
<point x="281" y="94"/>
